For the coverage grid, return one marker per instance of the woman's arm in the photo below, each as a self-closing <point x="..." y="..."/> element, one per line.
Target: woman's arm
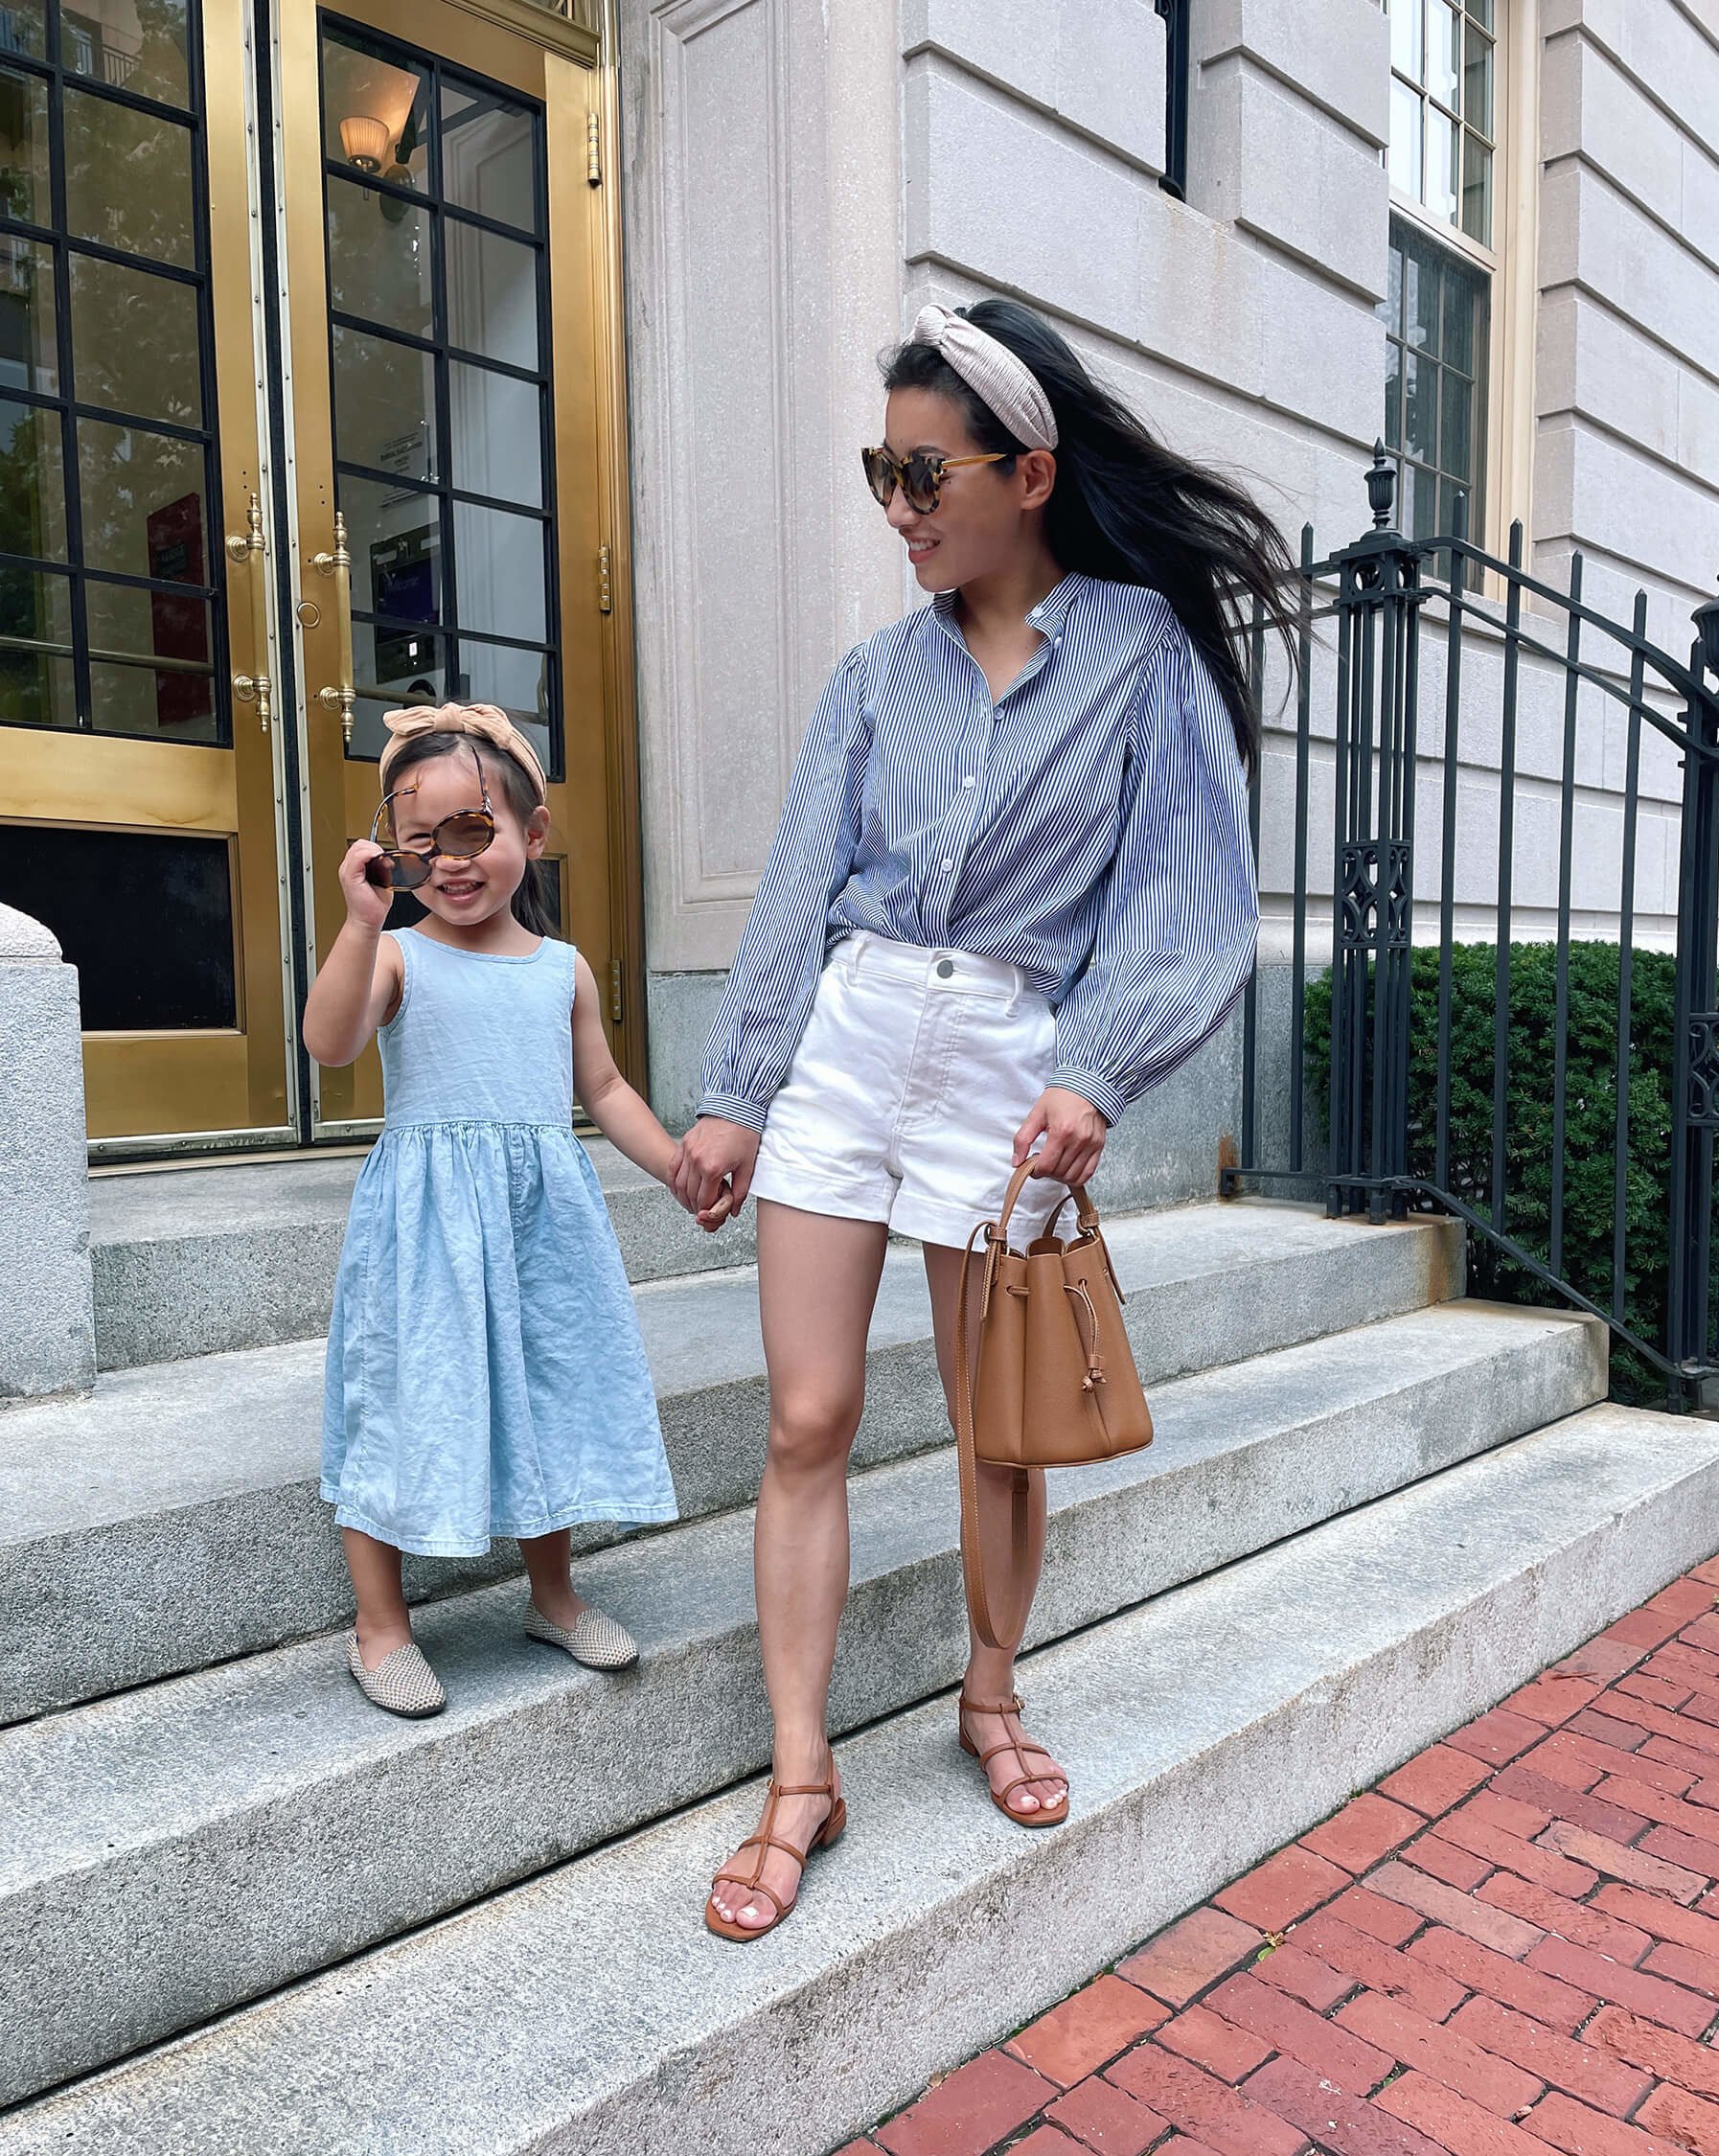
<point x="358" y="985"/>
<point x="768" y="998"/>
<point x="1178" y="924"/>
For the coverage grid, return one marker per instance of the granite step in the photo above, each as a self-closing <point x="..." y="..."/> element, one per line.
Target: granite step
<point x="204" y="1471"/>
<point x="209" y="1260"/>
<point x="588" y="2011"/>
<point x="168" y="1854"/>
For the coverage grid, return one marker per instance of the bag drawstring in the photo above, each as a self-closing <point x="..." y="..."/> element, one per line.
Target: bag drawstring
<point x="1094" y="1361"/>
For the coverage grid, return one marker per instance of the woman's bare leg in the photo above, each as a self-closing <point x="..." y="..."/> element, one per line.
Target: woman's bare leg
<point x="817" y="1280"/>
<point x="383" y="1622"/>
<point x="991" y="1671"/>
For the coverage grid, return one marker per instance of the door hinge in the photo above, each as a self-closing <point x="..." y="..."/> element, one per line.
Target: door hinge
<point x="593" y="149"/>
<point x="605" y="601"/>
<point x="616" y="994"/>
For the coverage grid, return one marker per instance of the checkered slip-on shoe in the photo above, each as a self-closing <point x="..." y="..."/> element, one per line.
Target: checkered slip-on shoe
<point x="404" y="1684"/>
<point x="595" y="1640"/>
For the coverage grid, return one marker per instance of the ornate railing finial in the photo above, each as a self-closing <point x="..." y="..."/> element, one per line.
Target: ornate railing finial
<point x="1707" y="628"/>
<point x="1380" y="486"/>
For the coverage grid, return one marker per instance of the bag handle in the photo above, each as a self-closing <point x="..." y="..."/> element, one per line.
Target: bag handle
<point x="1085" y="1211"/>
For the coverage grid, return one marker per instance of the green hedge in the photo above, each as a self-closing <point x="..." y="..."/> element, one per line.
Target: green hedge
<point x="1591" y="1121"/>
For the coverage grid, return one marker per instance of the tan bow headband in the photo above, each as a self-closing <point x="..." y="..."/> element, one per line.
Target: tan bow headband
<point x="995" y="374"/>
<point x="483" y="720"/>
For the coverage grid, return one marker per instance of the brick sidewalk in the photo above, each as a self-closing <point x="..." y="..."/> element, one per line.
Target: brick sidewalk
<point x="1510" y="1945"/>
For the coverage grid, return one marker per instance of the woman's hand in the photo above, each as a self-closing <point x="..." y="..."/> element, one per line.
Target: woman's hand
<point x="715" y="1156"/>
<point x="367" y="904"/>
<point x="1073" y="1132"/>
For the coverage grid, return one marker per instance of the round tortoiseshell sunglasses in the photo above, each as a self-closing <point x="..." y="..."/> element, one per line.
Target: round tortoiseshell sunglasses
<point x="460" y="836"/>
<point x="920" y="478"/>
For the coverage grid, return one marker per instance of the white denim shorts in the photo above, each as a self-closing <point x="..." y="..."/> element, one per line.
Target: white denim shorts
<point x="915" y="1070"/>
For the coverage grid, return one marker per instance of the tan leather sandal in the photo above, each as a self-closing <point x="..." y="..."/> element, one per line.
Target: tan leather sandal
<point x="764" y="1841"/>
<point x="1019" y="1744"/>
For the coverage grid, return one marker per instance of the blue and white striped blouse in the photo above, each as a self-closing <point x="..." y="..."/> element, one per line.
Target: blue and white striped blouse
<point x="1090" y="828"/>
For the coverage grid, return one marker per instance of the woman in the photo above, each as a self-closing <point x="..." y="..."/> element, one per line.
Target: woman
<point x="1012" y="889"/>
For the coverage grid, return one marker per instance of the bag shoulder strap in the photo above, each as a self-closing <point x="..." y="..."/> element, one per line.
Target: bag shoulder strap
<point x="973" y="1560"/>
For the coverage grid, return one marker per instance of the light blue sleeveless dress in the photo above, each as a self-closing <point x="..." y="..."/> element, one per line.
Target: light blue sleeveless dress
<point x="485" y="1370"/>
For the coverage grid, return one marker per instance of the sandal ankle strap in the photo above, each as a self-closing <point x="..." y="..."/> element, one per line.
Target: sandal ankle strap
<point x="1013" y="1705"/>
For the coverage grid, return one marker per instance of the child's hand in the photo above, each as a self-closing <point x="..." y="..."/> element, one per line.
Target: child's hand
<point x="367" y="904"/>
<point x="713" y="1216"/>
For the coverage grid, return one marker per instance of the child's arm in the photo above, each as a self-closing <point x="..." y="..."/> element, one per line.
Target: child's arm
<point x="618" y="1112"/>
<point x="358" y="985"/>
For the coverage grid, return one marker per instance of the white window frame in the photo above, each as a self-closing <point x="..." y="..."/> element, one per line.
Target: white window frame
<point x="1512" y="267"/>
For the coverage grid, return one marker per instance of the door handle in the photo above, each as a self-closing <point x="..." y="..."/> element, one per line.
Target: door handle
<point x="338" y="695"/>
<point x="249" y="545"/>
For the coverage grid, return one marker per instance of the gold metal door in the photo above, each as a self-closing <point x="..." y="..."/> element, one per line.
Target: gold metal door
<point x="456" y="416"/>
<point x="138" y="789"/>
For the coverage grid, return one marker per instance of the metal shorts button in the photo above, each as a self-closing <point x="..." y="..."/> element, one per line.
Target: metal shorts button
<point x="945" y="968"/>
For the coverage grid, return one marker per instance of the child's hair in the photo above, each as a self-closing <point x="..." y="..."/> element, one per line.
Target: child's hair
<point x="532" y="908"/>
<point x="1127" y="508"/>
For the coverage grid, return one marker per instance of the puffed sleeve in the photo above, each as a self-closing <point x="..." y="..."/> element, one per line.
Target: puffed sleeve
<point x="774" y="976"/>
<point x="1180" y="912"/>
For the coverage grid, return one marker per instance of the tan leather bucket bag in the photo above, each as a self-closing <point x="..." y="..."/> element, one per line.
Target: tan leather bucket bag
<point x="1054" y="1384"/>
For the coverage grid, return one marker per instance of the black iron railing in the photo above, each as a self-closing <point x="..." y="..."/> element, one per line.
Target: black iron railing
<point x="1397" y="612"/>
<point x="1178" y="73"/>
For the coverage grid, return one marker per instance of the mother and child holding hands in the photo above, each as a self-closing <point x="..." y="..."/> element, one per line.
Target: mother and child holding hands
<point x="1012" y="889"/>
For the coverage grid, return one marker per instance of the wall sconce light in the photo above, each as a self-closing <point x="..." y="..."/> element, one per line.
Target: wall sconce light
<point x="367" y="142"/>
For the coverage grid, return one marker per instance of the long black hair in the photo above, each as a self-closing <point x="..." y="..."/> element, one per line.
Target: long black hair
<point x="530" y="901"/>
<point x="1127" y="508"/>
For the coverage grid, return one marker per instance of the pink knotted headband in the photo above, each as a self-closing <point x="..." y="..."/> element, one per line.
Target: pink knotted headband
<point x="1004" y="383"/>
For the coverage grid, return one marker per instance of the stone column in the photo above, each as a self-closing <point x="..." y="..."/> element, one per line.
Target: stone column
<point x="47" y="1315"/>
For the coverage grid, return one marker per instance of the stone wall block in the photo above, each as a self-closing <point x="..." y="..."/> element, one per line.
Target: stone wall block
<point x="47" y="1320"/>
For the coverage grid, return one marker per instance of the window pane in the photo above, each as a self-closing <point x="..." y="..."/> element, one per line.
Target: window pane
<point x="33" y="494"/>
<point x="1420" y="271"/>
<point x="392" y="668"/>
<point x="497" y="435"/>
<point x="396" y="541"/>
<point x="1476" y="190"/>
<point x="384" y="405"/>
<point x="1393" y="396"/>
<point x="492" y="295"/>
<point x="1456" y="436"/>
<point x="1444" y="51"/>
<point x="1390" y="308"/>
<point x="28" y="357"/>
<point x="1458" y="341"/>
<point x="1481" y="12"/>
<point x="1405" y="124"/>
<point x="379" y="258"/>
<point x="36" y="687"/>
<point x="1441" y="164"/>
<point x="1476" y="83"/>
<point x="1406" y="33"/>
<point x="502" y="569"/>
<point x="375" y="112"/>
<point x="134" y="342"/>
<point x="106" y="894"/>
<point x="128" y="179"/>
<point x="1425" y="507"/>
<point x="24" y="148"/>
<point x="518" y="681"/>
<point x="1420" y="417"/>
<point x="127" y="623"/>
<point x="489" y="157"/>
<point x="144" y="502"/>
<point x="22" y="28"/>
<point x="140" y="700"/>
<point x="136" y="45"/>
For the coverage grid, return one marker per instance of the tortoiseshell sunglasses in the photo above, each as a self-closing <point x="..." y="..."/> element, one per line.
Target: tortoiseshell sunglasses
<point x="920" y="478"/>
<point x="460" y="836"/>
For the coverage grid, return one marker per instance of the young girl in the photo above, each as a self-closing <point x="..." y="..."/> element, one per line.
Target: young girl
<point x="485" y="1372"/>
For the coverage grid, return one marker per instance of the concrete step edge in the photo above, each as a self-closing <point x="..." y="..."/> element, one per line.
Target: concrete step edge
<point x="151" y="1842"/>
